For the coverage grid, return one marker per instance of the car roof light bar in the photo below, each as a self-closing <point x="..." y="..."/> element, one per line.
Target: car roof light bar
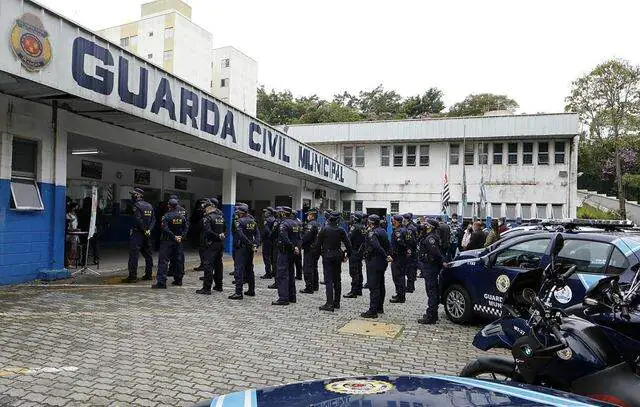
<point x="596" y="223"/>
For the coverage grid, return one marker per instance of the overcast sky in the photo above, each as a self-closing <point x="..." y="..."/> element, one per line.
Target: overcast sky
<point x="529" y="50"/>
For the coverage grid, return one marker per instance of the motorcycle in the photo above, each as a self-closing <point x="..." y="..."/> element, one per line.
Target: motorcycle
<point x="552" y="348"/>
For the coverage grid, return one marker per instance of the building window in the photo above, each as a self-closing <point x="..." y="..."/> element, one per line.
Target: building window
<point x="527" y="153"/>
<point x="25" y="194"/>
<point x="346" y="206"/>
<point x="347" y="156"/>
<point x="497" y="153"/>
<point x="168" y="55"/>
<point x="398" y="156"/>
<point x="226" y="63"/>
<point x="358" y="206"/>
<point x="483" y="153"/>
<point x="359" y="156"/>
<point x="150" y="56"/>
<point x="168" y="32"/>
<point x="559" y="152"/>
<point x="395" y="206"/>
<point x="332" y="204"/>
<point x="511" y="211"/>
<point x="543" y="153"/>
<point x="512" y="153"/>
<point x="124" y="42"/>
<point x="224" y="82"/>
<point x="411" y="156"/>
<point x="556" y="211"/>
<point x="454" y="154"/>
<point x="424" y="155"/>
<point x="133" y="40"/>
<point x="526" y="211"/>
<point x="468" y="154"/>
<point x="385" y="152"/>
<point x="150" y="33"/>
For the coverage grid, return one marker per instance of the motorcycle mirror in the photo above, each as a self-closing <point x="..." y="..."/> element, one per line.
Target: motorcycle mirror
<point x="590" y="302"/>
<point x="558" y="244"/>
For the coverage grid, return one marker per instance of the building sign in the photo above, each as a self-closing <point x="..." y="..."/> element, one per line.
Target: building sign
<point x="181" y="183"/>
<point x="91" y="169"/>
<point x="30" y="42"/>
<point x="142" y="177"/>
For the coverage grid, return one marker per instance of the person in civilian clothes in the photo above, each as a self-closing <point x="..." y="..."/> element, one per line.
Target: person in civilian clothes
<point x="329" y="242"/>
<point x="377" y="254"/>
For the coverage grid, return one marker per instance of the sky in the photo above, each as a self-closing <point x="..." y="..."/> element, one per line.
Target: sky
<point x="528" y="50"/>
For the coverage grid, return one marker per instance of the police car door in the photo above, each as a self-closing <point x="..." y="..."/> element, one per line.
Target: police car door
<point x="504" y="264"/>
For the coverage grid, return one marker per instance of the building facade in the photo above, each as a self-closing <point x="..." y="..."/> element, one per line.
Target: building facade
<point x="510" y="165"/>
<point x="235" y="79"/>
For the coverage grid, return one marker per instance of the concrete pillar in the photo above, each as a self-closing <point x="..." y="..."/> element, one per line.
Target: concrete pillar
<point x="534" y="211"/>
<point x="59" y="178"/>
<point x="229" y="178"/>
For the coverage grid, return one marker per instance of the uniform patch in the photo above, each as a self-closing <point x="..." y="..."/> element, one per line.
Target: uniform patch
<point x="565" y="354"/>
<point x="563" y="295"/>
<point x="356" y="386"/>
<point x="503" y="282"/>
<point x="432" y="240"/>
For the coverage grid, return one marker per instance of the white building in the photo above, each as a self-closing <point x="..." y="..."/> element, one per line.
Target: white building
<point x="235" y="79"/>
<point x="526" y="164"/>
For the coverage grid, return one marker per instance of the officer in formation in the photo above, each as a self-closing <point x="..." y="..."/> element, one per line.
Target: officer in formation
<point x="329" y="242"/>
<point x="432" y="260"/>
<point x="445" y="236"/>
<point x="140" y="240"/>
<point x="174" y="263"/>
<point x="212" y="237"/>
<point x="288" y="245"/>
<point x="412" y="266"/>
<point x="267" y="243"/>
<point x="310" y="253"/>
<point x="376" y="256"/>
<point x="275" y="232"/>
<point x="200" y="212"/>
<point x="174" y="231"/>
<point x="356" y="238"/>
<point x="297" y="258"/>
<point x="246" y="241"/>
<point x="401" y="243"/>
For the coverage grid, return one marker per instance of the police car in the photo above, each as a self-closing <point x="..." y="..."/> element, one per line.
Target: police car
<point x="476" y="286"/>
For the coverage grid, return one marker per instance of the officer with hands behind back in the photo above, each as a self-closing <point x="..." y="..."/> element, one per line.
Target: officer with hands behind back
<point x="310" y="254"/>
<point x="212" y="235"/>
<point x="432" y="261"/>
<point x="377" y="256"/>
<point x="140" y="240"/>
<point x="329" y="242"/>
<point x="246" y="240"/>
<point x="174" y="231"/>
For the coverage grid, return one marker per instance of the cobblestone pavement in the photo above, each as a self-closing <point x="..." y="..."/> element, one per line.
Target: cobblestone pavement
<point x="112" y="345"/>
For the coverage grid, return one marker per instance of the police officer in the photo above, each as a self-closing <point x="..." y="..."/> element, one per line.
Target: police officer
<point x="356" y="238"/>
<point x="456" y="236"/>
<point x="267" y="243"/>
<point x="445" y="236"/>
<point x="174" y="231"/>
<point x="329" y="243"/>
<point x="297" y="258"/>
<point x="212" y="237"/>
<point x="234" y="225"/>
<point x="432" y="261"/>
<point x="287" y="245"/>
<point x="275" y="233"/>
<point x="400" y="252"/>
<point x="412" y="235"/>
<point x="200" y="212"/>
<point x="376" y="254"/>
<point x="140" y="241"/>
<point x="174" y="263"/>
<point x="246" y="240"/>
<point x="310" y="254"/>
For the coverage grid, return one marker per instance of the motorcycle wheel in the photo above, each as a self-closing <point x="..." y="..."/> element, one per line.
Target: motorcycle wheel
<point x="492" y="368"/>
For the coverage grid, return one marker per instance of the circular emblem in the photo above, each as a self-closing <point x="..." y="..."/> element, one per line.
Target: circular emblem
<point x="502" y="283"/>
<point x="565" y="354"/>
<point x="30" y="42"/>
<point x="360" y="387"/>
<point x="563" y="295"/>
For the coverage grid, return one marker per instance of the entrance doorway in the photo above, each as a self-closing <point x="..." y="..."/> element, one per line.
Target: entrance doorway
<point x="284" y="200"/>
<point x="382" y="212"/>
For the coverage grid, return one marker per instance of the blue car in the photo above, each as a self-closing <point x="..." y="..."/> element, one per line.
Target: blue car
<point x="475" y="286"/>
<point x="399" y="391"/>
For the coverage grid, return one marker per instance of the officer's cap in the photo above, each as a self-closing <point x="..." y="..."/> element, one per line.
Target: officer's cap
<point x="214" y="201"/>
<point x="333" y="216"/>
<point x="398" y="218"/>
<point x="268" y="209"/>
<point x="242" y="208"/>
<point x="374" y="218"/>
<point x="174" y="197"/>
<point x="137" y="191"/>
<point x="312" y="210"/>
<point x="357" y="216"/>
<point x="434" y="223"/>
<point x="238" y="204"/>
<point x="173" y="202"/>
<point x="287" y="210"/>
<point x="205" y="202"/>
<point x="408" y="215"/>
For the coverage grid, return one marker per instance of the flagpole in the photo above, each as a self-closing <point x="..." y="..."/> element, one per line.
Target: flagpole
<point x="464" y="171"/>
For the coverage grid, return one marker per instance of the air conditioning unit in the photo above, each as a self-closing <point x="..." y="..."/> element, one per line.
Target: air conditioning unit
<point x="562" y="174"/>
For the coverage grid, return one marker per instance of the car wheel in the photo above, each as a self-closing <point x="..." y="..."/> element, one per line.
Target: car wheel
<point x="457" y="304"/>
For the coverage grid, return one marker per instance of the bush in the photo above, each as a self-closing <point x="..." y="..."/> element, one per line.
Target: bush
<point x="587" y="211"/>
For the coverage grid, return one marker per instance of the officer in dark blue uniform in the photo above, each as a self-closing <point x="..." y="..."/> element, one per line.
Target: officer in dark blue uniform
<point x="246" y="241"/>
<point x="279" y="218"/>
<point x="200" y="212"/>
<point x="267" y="243"/>
<point x="310" y="253"/>
<point x="174" y="231"/>
<point x="356" y="237"/>
<point x="329" y="243"/>
<point x="412" y="234"/>
<point x="287" y="245"/>
<point x="174" y="263"/>
<point x="432" y="261"/>
<point x="140" y="241"/>
<point x="212" y="237"/>
<point x="297" y="258"/>
<point x="377" y="255"/>
<point x="400" y="253"/>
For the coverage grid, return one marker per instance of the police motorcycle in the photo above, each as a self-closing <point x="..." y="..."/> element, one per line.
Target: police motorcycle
<point x="552" y="348"/>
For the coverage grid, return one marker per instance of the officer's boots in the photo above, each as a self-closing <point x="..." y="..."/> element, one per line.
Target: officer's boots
<point x="158" y="285"/>
<point x="369" y="314"/>
<point x="235" y="297"/>
<point x="428" y="320"/>
<point x="203" y="291"/>
<point x="327" y="307"/>
<point x="129" y="279"/>
<point x="351" y="294"/>
<point x="397" y="299"/>
<point x="147" y="277"/>
<point x="306" y="290"/>
<point x="411" y="287"/>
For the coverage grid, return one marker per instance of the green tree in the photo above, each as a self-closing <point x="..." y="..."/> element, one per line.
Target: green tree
<point x="330" y="112"/>
<point x="477" y="105"/>
<point x="277" y="107"/>
<point x="607" y="100"/>
<point x="429" y="103"/>
<point x="379" y="104"/>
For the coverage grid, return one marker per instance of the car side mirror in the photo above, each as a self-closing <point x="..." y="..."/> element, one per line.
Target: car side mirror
<point x="558" y="244"/>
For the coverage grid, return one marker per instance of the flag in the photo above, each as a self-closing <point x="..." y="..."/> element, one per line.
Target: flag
<point x="483" y="192"/>
<point x="445" y="194"/>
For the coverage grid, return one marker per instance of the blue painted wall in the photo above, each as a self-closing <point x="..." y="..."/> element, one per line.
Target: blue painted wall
<point x="32" y="243"/>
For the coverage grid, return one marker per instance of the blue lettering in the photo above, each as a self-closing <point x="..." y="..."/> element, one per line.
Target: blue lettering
<point x="254" y="128"/>
<point x="209" y="106"/>
<point x="103" y="81"/>
<point x="228" y="128"/>
<point x="272" y="143"/>
<point x="341" y="173"/>
<point x="325" y="169"/>
<point x="136" y="99"/>
<point x="317" y="164"/>
<point x="285" y="157"/>
<point x="333" y="168"/>
<point x="164" y="99"/>
<point x="188" y="107"/>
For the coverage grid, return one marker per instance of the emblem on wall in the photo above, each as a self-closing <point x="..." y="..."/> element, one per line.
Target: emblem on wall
<point x="30" y="42"/>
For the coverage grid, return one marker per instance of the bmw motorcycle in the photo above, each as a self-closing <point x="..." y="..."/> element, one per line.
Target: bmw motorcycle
<point x="588" y="354"/>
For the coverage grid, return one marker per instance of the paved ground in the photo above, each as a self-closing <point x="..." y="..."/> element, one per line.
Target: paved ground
<point x="128" y="345"/>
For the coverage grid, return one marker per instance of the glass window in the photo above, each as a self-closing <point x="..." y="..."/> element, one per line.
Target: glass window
<point x="384" y="156"/>
<point x="526" y="211"/>
<point x="124" y="42"/>
<point x="618" y="262"/>
<point x="588" y="256"/>
<point x="151" y="34"/>
<point x="424" y="155"/>
<point x="332" y="204"/>
<point x="559" y="152"/>
<point x="483" y="153"/>
<point x="527" y="153"/>
<point x="224" y="82"/>
<point x="24" y="158"/>
<point x="543" y="153"/>
<point x="168" y="32"/>
<point x="526" y="255"/>
<point x="226" y="63"/>
<point x="497" y="153"/>
<point x="168" y="55"/>
<point x="468" y="154"/>
<point x="25" y="195"/>
<point x="360" y="156"/>
<point x="347" y="156"/>
<point x="358" y="206"/>
<point x="511" y="211"/>
<point x="411" y="156"/>
<point x="454" y="154"/>
<point x="513" y="153"/>
<point x="133" y="40"/>
<point x="398" y="156"/>
<point x="557" y="211"/>
<point x="346" y="206"/>
<point x="395" y="206"/>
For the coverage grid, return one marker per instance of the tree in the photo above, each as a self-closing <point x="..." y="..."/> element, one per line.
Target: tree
<point x="378" y="103"/>
<point x="429" y="103"/>
<point x="277" y="107"/>
<point x="477" y="105"/>
<point x="607" y="100"/>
